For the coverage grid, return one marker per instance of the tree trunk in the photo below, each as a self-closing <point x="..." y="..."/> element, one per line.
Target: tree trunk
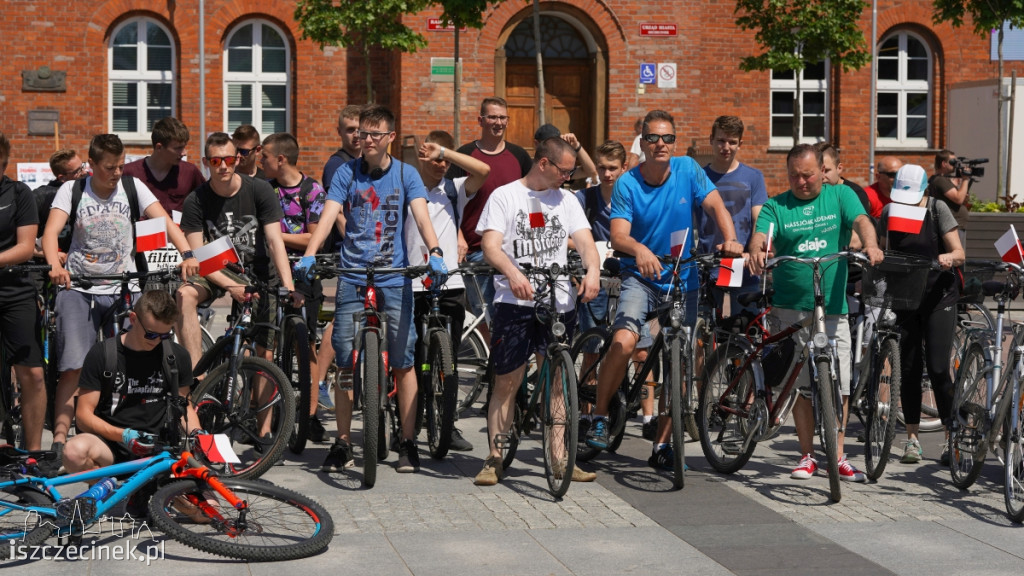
<point x="540" y="64"/>
<point x="457" y="88"/>
<point x="369" y="74"/>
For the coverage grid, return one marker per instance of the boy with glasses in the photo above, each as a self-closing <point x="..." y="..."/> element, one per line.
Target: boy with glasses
<point x="247" y="143"/>
<point x="163" y="171"/>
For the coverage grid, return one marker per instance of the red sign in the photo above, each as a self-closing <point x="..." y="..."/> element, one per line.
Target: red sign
<point x="657" y="29"/>
<point x="435" y="24"/>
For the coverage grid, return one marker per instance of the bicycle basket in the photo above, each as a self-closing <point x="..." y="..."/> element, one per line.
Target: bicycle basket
<point x="898" y="282"/>
<point x="975" y="276"/>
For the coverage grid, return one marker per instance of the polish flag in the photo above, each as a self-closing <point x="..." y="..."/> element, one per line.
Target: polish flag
<point x="768" y="243"/>
<point x="730" y="272"/>
<point x="904" y="218"/>
<point x="536" y="214"/>
<point x="217" y="448"/>
<point x="678" y="241"/>
<point x="215" y="255"/>
<point x="1009" y="247"/>
<point x="150" y="234"/>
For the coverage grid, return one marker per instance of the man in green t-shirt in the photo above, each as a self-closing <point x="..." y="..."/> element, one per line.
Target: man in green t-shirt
<point x="813" y="219"/>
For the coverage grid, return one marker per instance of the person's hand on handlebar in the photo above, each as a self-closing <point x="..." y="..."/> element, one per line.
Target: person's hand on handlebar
<point x="303" y="269"/>
<point x="875" y="255"/>
<point x="298" y="298"/>
<point x="438" y="270"/>
<point x="730" y="249"/>
<point x="647" y="263"/>
<point x="59" y="276"/>
<point x="520" y="285"/>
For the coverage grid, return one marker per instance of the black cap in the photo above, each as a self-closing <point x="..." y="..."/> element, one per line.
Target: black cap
<point x="546" y="131"/>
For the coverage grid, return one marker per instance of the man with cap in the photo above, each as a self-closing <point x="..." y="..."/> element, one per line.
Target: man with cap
<point x="936" y="239"/>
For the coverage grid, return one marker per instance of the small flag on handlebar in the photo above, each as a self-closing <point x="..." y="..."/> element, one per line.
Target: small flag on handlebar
<point x="151" y="234"/>
<point x="217" y="448"/>
<point x="730" y="273"/>
<point x="678" y="240"/>
<point x="215" y="255"/>
<point x="1009" y="247"/>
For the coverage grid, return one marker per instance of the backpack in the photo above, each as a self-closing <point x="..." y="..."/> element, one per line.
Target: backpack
<point x="592" y="203"/>
<point x="171" y="432"/>
<point x="305" y="187"/>
<point x="141" y="264"/>
<point x="453" y="196"/>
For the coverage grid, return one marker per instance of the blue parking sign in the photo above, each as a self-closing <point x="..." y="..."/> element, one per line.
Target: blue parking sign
<point x="647" y="73"/>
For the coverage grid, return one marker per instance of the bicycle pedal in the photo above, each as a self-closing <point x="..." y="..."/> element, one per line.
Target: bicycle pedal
<point x="501" y="441"/>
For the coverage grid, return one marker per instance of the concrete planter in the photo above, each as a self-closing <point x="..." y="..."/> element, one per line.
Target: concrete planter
<point x="984" y="228"/>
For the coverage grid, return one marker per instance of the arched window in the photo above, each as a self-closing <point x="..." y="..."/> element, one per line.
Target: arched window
<point x="904" y="91"/>
<point x="558" y="37"/>
<point x="141" y="73"/>
<point x="257" y="69"/>
<point x="813" y="104"/>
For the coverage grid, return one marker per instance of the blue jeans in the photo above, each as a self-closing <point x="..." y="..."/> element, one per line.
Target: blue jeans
<point x="396" y="301"/>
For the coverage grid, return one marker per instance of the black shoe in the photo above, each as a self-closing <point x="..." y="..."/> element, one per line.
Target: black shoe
<point x="317" y="432"/>
<point x="408" y="457"/>
<point x="459" y="444"/>
<point x="649" y="429"/>
<point x="339" y="457"/>
<point x="663" y="459"/>
<point x="264" y="443"/>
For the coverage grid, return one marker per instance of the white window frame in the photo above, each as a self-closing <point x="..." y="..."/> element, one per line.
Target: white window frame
<point x="141" y="77"/>
<point x="257" y="78"/>
<point x="903" y="87"/>
<point x="806" y="86"/>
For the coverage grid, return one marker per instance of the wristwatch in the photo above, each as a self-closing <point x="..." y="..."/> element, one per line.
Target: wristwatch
<point x="436" y="251"/>
<point x="187" y="254"/>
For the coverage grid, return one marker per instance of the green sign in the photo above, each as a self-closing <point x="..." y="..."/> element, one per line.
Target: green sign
<point x="442" y="69"/>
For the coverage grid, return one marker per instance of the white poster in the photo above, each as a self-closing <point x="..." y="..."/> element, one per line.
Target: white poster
<point x="666" y="75"/>
<point x="35" y="174"/>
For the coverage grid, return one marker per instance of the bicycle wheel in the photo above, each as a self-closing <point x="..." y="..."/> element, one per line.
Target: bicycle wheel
<point x="881" y="397"/>
<point x="560" y="420"/>
<point x="967" y="435"/>
<point x="930" y="421"/>
<point x="367" y="379"/>
<point x="587" y="354"/>
<point x="1013" y="460"/>
<point x="293" y="359"/>
<point x="276" y="524"/>
<point x="508" y="449"/>
<point x="674" y="398"/>
<point x="724" y="410"/>
<point x="473" y="355"/>
<point x="702" y="345"/>
<point x="439" y="397"/>
<point x="260" y="393"/>
<point x="27" y="529"/>
<point x="829" y="422"/>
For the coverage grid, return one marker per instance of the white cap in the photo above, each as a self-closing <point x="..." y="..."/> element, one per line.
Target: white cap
<point x="909" y="185"/>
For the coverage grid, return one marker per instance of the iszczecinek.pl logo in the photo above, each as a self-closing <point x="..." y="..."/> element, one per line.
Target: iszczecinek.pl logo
<point x="110" y="538"/>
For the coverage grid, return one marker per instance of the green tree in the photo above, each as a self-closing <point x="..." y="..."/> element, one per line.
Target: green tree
<point x="361" y="23"/>
<point x="794" y="33"/>
<point x="987" y="15"/>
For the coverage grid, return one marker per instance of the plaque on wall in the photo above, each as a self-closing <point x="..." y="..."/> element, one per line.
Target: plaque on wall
<point x="42" y="122"/>
<point x="43" y="80"/>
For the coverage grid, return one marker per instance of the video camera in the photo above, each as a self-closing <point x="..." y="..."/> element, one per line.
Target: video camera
<point x="972" y="169"/>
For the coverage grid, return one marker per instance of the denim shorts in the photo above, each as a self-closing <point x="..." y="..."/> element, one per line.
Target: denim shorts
<point x="396" y="302"/>
<point x="637" y="299"/>
<point x="78" y="320"/>
<point x="486" y="285"/>
<point x="596" y="308"/>
<point x="516" y="333"/>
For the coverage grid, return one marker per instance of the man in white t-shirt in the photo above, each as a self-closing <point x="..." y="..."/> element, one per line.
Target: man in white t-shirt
<point x="530" y="221"/>
<point x="444" y="198"/>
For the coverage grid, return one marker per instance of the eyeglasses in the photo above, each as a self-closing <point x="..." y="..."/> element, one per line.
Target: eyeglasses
<point x="567" y="174"/>
<point x="149" y="335"/>
<point x="889" y="174"/>
<point x="228" y="161"/>
<point x="496" y="118"/>
<point x="78" y="172"/>
<point x="375" y="136"/>
<point x="244" y="152"/>
<point x="653" y="138"/>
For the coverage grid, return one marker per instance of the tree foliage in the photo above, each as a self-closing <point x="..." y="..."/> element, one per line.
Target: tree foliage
<point x="792" y="33"/>
<point x="987" y="15"/>
<point x="464" y="12"/>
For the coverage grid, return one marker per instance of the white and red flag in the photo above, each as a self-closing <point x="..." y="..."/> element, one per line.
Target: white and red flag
<point x="150" y="234"/>
<point x="730" y="272"/>
<point x="536" y="214"/>
<point x="1009" y="247"/>
<point x="678" y="241"/>
<point x="904" y="218"/>
<point x="215" y="255"/>
<point x="217" y="448"/>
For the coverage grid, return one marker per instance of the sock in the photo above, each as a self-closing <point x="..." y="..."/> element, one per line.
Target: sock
<point x="659" y="446"/>
<point x="648" y="418"/>
<point x="588" y="417"/>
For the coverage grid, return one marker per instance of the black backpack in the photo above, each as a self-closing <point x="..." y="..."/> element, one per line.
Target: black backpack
<point x="453" y="196"/>
<point x="171" y="432"/>
<point x="141" y="264"/>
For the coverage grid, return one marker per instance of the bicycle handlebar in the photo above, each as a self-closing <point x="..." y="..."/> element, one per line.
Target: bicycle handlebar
<point x="88" y="280"/>
<point x="24" y="268"/>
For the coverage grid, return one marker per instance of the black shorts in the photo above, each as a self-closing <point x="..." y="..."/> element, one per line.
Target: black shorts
<point x="20" y="328"/>
<point x="121" y="454"/>
<point x="516" y="333"/>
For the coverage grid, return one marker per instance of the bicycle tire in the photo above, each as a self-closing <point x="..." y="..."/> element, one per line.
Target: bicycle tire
<point x="241" y="423"/>
<point x="701" y="343"/>
<point x="1013" y="461"/>
<point x="560" y="425"/>
<point x="15" y="521"/>
<point x="367" y="377"/>
<point x="722" y="434"/>
<point x="930" y="421"/>
<point x="278" y="524"/>
<point x="293" y="359"/>
<point x="967" y="436"/>
<point x="508" y="451"/>
<point x="829" y="422"/>
<point x="586" y="381"/>
<point x="473" y="362"/>
<point x="440" y="395"/>
<point x="675" y="397"/>
<point x="882" y="393"/>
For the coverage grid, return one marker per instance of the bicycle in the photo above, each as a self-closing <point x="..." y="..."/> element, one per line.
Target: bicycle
<point x="253" y="521"/>
<point x="10" y="408"/>
<point x="241" y="392"/>
<point x="738" y="408"/>
<point x="474" y="351"/>
<point x="671" y="348"/>
<point x="550" y="400"/>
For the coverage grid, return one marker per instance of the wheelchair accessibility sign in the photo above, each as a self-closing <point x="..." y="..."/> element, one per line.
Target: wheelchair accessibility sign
<point x="648" y="73"/>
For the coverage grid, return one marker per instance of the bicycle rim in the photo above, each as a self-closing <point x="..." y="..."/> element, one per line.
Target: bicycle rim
<point x="25" y="528"/>
<point x="703" y="347"/>
<point x="1013" y="461"/>
<point x="967" y="438"/>
<point x="829" y="422"/>
<point x="293" y="355"/>
<point x="560" y="419"/>
<point x="277" y="524"/>
<point x="587" y="353"/>
<point x="440" y="395"/>
<point x="724" y="409"/>
<point x="674" y="400"/>
<point x="367" y="374"/>
<point x="473" y="355"/>
<point x="881" y="399"/>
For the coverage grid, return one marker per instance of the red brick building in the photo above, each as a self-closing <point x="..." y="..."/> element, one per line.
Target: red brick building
<point x="129" y="62"/>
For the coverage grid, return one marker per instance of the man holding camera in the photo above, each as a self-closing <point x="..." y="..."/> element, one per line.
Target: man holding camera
<point x="950" y="185"/>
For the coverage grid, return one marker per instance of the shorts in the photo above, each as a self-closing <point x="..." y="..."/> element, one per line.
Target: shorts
<point x="837" y="327"/>
<point x="516" y="333"/>
<point x="121" y="454"/>
<point x="485" y="283"/>
<point x="396" y="301"/>
<point x="593" y="313"/>
<point x="265" y="311"/>
<point x="215" y="292"/>
<point x="79" y="318"/>
<point x="637" y="299"/>
<point x="20" y="327"/>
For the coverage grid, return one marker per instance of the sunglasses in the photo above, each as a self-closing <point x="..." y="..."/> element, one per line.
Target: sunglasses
<point x="653" y="138"/>
<point x="244" y="152"/>
<point x="149" y="335"/>
<point x="889" y="174"/>
<point x="228" y="161"/>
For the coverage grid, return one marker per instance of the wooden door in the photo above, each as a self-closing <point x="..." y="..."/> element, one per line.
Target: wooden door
<point x="568" y="99"/>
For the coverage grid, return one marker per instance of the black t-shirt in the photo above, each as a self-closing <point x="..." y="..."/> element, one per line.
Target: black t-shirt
<point x="215" y="216"/>
<point x="137" y="399"/>
<point x="861" y="194"/>
<point x="17" y="209"/>
<point x="937" y="187"/>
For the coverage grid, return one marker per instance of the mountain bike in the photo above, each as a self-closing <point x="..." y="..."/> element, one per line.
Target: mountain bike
<point x="474" y="351"/>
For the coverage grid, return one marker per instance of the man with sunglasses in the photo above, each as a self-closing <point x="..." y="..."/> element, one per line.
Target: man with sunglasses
<point x="652" y="215"/>
<point x="247" y="142"/>
<point x="163" y="171"/>
<point x="119" y="417"/>
<point x="878" y="193"/>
